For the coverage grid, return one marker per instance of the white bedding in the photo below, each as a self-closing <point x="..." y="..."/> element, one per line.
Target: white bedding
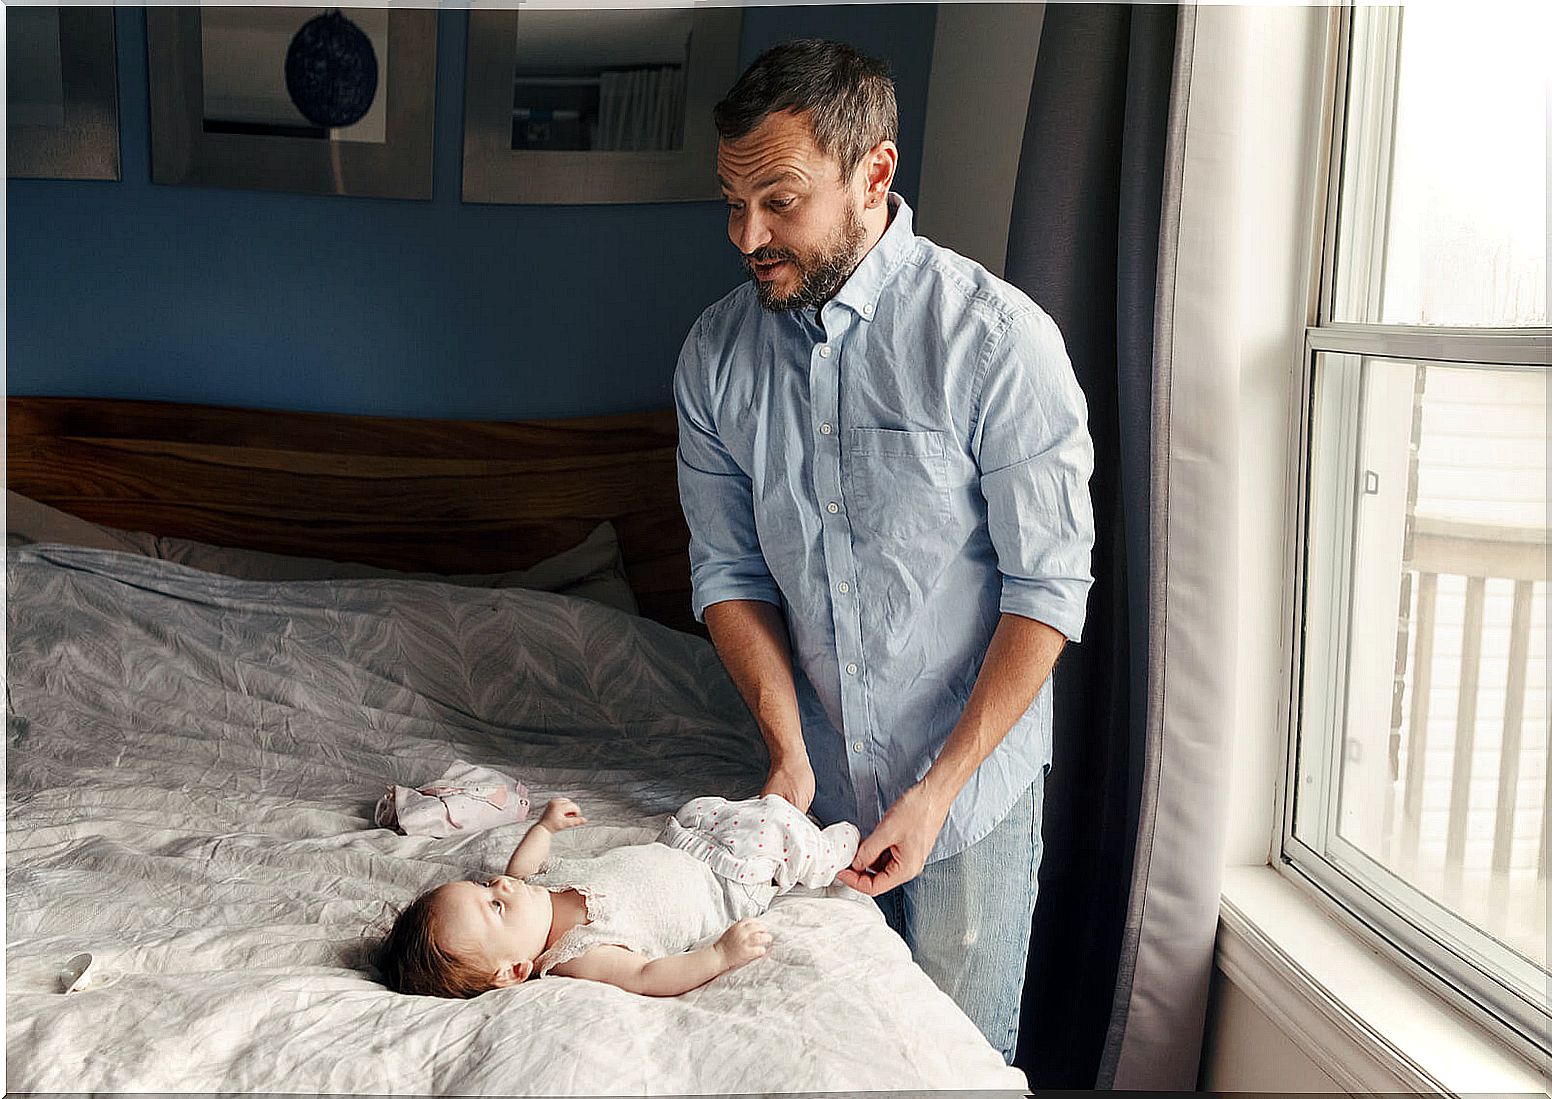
<point x="192" y="763"/>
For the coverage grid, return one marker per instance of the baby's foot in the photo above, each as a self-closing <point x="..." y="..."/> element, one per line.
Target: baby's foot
<point x="845" y="838"/>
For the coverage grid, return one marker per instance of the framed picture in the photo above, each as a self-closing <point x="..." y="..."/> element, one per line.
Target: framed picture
<point x="322" y="100"/>
<point x="62" y="94"/>
<point x="596" y="106"/>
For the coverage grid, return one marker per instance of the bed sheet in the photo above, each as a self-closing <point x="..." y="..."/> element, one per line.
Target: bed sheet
<point x="192" y="763"/>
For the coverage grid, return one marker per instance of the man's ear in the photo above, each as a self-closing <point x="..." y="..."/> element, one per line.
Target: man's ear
<point x="514" y="973"/>
<point x="878" y="170"/>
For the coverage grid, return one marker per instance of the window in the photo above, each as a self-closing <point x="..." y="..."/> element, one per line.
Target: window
<point x="1417" y="784"/>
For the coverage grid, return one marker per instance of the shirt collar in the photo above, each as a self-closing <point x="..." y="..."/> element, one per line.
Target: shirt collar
<point x="861" y="291"/>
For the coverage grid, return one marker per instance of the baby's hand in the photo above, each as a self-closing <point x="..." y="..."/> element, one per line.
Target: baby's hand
<point x="561" y="814"/>
<point x="745" y="941"/>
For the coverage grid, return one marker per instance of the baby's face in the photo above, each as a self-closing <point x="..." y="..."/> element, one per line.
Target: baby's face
<point x="500" y="924"/>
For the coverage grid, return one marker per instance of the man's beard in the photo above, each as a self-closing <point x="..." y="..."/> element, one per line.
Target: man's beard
<point x="820" y="274"/>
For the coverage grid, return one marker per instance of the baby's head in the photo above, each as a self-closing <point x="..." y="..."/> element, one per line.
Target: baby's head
<point x="467" y="937"/>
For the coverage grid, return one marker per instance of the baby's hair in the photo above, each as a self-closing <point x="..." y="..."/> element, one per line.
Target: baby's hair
<point x="413" y="962"/>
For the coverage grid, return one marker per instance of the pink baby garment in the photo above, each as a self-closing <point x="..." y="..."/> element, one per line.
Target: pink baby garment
<point x="466" y="799"/>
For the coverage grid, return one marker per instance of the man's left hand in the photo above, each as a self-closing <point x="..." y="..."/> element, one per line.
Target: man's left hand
<point x="897" y="849"/>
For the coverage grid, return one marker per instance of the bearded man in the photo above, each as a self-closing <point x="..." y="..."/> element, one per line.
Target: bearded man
<point x="883" y="462"/>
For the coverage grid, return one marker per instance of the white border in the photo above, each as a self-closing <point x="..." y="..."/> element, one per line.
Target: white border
<point x="1506" y="1014"/>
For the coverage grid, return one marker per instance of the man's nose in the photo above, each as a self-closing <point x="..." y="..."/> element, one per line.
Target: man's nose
<point x="750" y="234"/>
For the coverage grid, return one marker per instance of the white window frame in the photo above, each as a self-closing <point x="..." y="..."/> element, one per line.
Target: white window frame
<point x="1416" y="943"/>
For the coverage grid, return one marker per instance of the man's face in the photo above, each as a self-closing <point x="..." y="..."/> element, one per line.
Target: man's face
<point x="796" y="223"/>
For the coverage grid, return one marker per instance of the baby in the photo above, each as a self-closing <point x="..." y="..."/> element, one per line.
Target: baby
<point x="639" y="917"/>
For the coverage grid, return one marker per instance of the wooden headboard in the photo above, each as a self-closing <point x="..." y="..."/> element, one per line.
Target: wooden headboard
<point x="444" y="496"/>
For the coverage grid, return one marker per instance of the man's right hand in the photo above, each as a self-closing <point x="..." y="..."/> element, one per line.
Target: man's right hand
<point x="793" y="781"/>
<point x="751" y="640"/>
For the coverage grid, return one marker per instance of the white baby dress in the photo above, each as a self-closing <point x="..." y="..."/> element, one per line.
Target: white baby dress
<point x="716" y="862"/>
<point x="648" y="898"/>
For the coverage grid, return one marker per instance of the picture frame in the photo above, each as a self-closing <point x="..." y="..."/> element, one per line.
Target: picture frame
<point x="226" y="125"/>
<point x="662" y="148"/>
<point x="62" y="118"/>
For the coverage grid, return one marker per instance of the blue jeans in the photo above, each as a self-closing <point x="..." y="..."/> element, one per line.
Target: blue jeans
<point x="966" y="919"/>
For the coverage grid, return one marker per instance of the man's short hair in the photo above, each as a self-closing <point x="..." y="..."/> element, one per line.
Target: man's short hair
<point x="849" y="97"/>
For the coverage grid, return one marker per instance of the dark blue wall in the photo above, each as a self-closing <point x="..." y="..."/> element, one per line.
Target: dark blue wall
<point x="380" y="306"/>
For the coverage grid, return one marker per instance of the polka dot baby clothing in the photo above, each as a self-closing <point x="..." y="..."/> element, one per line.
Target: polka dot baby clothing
<point x="762" y="841"/>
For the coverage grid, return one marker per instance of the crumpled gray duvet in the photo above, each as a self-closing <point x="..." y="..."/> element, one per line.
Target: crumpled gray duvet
<point x="192" y="763"/>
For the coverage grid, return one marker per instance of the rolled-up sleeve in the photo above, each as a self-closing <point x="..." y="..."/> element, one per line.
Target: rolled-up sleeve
<point x="716" y="495"/>
<point x="1031" y="443"/>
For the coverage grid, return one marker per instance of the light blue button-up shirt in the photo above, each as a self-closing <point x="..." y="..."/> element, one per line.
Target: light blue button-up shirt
<point x="893" y="472"/>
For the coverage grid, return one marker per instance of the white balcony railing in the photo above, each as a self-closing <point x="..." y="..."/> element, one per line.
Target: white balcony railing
<point x="1472" y="825"/>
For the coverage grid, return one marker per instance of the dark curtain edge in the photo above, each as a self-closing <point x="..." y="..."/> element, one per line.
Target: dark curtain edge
<point x="1158" y="605"/>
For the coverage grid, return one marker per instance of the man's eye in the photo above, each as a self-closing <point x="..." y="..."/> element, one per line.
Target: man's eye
<point x="781" y="203"/>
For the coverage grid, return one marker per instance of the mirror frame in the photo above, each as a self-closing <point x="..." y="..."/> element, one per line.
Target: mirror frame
<point x="182" y="152"/>
<point x="87" y="145"/>
<point x="495" y="172"/>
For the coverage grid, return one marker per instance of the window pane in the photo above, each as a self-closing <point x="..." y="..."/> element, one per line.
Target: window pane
<point x="1444" y="178"/>
<point x="1441" y="765"/>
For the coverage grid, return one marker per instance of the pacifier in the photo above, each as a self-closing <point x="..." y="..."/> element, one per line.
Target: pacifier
<point x="80" y="973"/>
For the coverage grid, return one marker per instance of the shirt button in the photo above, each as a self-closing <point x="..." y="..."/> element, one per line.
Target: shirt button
<point x="856" y="746"/>
<point x="833" y="507"/>
<point x="867" y="310"/>
<point x="825" y="429"/>
<point x="851" y="669"/>
<point x="843" y="587"/>
<point x="824" y="351"/>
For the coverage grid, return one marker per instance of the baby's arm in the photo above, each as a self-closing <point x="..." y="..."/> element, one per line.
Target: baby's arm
<point x="745" y="941"/>
<point x="534" y="848"/>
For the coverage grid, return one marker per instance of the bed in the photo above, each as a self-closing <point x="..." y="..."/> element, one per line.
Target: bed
<point x="201" y="716"/>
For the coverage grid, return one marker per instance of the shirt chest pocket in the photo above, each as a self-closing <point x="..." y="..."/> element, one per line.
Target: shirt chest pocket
<point x="897" y="483"/>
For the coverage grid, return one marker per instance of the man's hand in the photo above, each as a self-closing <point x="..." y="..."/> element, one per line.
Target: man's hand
<point x="1018" y="662"/>
<point x="561" y="814"/>
<point x="897" y="849"/>
<point x="793" y="781"/>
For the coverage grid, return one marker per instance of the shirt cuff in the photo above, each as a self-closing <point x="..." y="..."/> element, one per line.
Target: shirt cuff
<point x="721" y="589"/>
<point x="1060" y="604"/>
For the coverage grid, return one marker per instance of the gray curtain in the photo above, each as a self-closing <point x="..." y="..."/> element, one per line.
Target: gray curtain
<point x="1090" y="237"/>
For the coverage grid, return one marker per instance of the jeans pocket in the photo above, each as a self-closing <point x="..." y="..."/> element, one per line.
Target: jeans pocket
<point x="897" y="484"/>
